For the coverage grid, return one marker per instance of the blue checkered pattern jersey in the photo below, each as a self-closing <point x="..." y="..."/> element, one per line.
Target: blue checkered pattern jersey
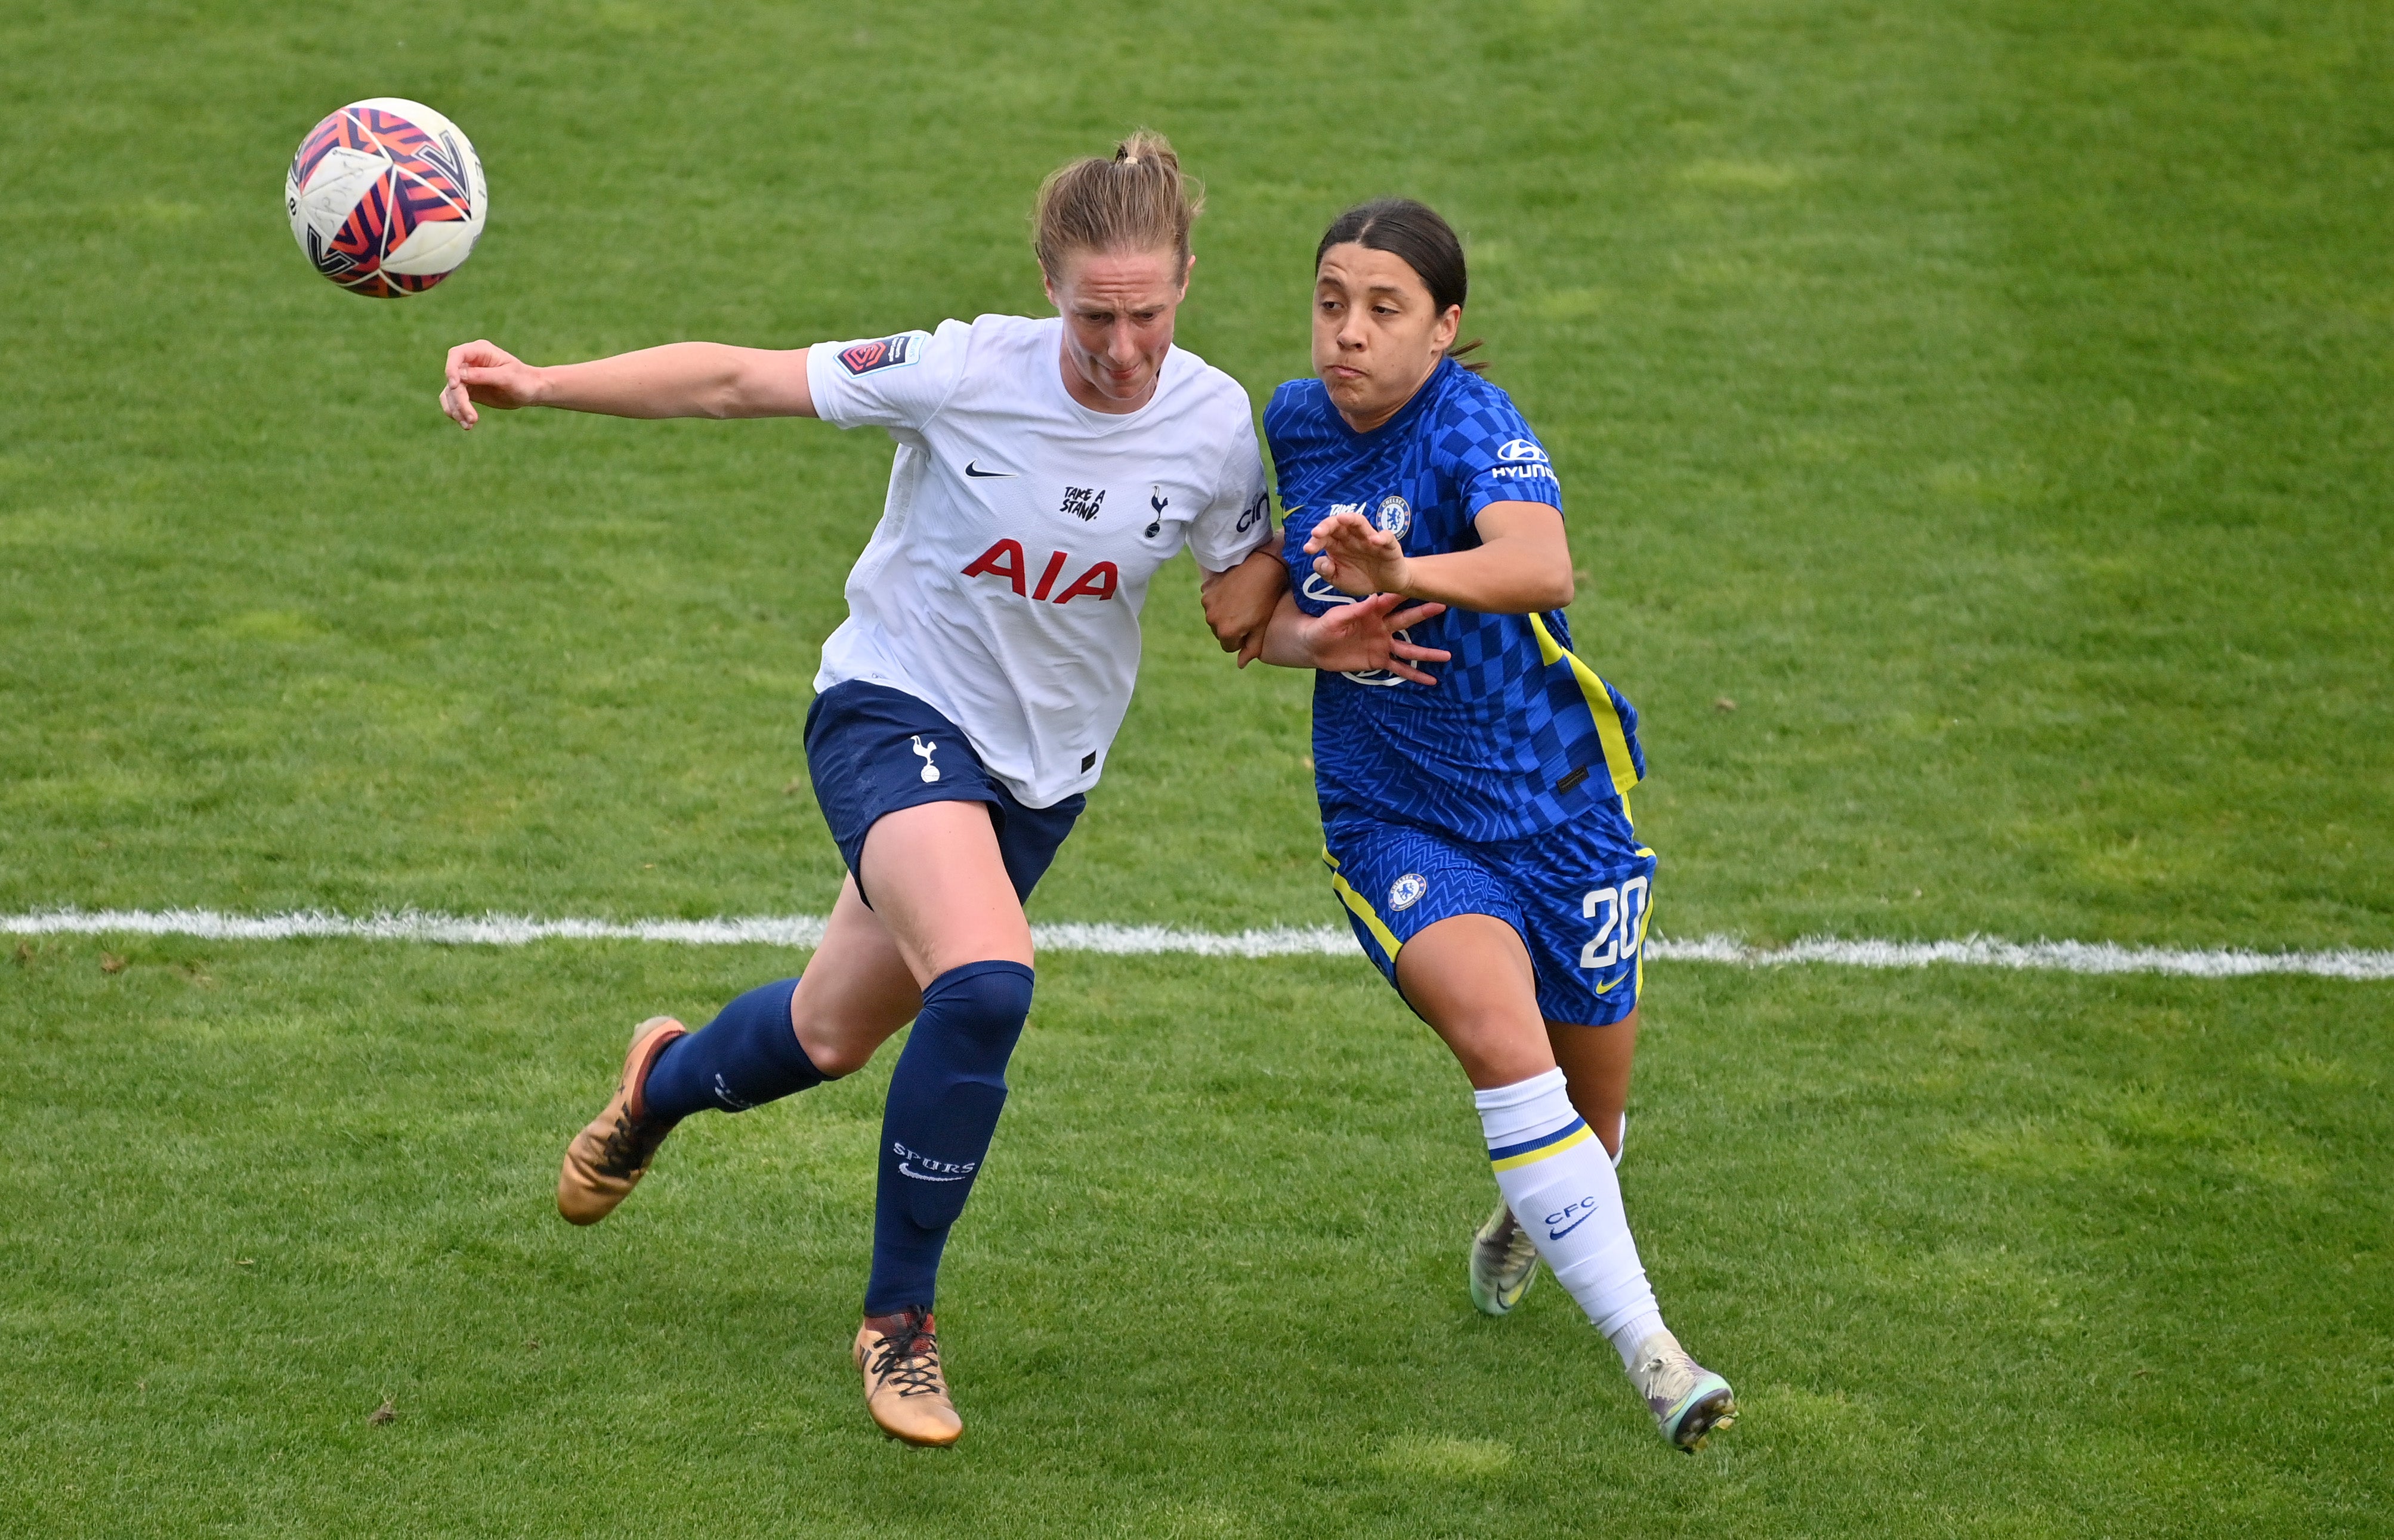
<point x="1517" y="735"/>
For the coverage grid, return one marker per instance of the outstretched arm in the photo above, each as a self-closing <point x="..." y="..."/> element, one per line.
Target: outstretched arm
<point x="1352" y="639"/>
<point x="681" y="379"/>
<point x="1521" y="565"/>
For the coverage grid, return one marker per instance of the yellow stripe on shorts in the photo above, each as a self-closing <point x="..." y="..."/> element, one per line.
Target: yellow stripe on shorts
<point x="1361" y="909"/>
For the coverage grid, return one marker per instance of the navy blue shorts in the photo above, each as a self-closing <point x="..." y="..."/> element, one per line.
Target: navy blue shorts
<point x="1579" y="899"/>
<point x="872" y="750"/>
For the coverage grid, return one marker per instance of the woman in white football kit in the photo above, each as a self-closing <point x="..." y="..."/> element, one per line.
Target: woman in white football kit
<point x="1045" y="470"/>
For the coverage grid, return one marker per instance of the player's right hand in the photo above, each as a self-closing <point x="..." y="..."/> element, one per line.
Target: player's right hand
<point x="1355" y="558"/>
<point x="488" y="373"/>
<point x="1369" y="634"/>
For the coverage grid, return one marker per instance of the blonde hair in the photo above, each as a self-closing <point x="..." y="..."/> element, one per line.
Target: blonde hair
<point x="1138" y="200"/>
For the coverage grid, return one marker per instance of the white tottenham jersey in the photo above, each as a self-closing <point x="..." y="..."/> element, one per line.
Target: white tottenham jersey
<point x="1004" y="585"/>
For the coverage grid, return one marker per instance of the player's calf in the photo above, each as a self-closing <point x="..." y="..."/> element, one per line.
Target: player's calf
<point x="1504" y="1257"/>
<point x="945" y="1094"/>
<point x="748" y="1056"/>
<point x="1559" y="1183"/>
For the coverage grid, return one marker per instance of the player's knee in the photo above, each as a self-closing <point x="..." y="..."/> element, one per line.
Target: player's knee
<point x="837" y="1055"/>
<point x="841" y="1029"/>
<point x="1494" y="1050"/>
<point x="841" y="1040"/>
<point x="981" y="1006"/>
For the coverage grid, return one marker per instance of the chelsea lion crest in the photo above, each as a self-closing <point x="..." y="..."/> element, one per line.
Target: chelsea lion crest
<point x="1395" y="515"/>
<point x="1407" y="890"/>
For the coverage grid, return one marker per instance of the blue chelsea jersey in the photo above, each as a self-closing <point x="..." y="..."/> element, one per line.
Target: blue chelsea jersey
<point x="1517" y="735"/>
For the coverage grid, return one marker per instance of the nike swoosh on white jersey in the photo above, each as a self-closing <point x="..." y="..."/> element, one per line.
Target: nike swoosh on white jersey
<point x="972" y="468"/>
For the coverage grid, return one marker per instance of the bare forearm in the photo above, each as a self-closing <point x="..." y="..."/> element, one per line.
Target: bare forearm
<point x="1286" y="641"/>
<point x="1521" y="565"/>
<point x="1504" y="577"/>
<point x="683" y="379"/>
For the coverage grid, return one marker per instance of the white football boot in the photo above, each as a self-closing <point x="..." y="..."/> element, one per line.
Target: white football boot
<point x="1504" y="1263"/>
<point x="1688" y="1400"/>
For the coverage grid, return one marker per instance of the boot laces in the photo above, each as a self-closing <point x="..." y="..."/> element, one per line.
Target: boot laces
<point x="1510" y="1250"/>
<point x="1520" y="1246"/>
<point x="631" y="1143"/>
<point x="1667" y="1370"/>
<point x="908" y="1357"/>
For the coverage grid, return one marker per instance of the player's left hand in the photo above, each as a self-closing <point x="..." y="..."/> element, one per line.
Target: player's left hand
<point x="485" y="372"/>
<point x="1369" y="634"/>
<point x="1355" y="558"/>
<point x="1239" y="603"/>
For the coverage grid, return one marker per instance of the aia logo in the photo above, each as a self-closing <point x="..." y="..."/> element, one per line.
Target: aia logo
<point x="1006" y="559"/>
<point x="1083" y="503"/>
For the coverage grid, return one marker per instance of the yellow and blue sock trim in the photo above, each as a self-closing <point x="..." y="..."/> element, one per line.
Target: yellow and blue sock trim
<point x="1512" y="1157"/>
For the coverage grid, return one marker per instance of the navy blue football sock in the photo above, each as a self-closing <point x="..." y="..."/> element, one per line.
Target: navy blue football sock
<point x="749" y="1053"/>
<point x="944" y="1098"/>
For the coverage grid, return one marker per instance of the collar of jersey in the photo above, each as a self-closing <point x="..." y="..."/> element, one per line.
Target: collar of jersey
<point x="1100" y="420"/>
<point x="1435" y="385"/>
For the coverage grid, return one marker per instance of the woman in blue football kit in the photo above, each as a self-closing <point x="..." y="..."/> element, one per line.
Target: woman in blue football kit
<point x="1477" y="825"/>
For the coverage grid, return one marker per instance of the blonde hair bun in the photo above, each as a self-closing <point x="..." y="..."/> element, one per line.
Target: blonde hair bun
<point x="1138" y="200"/>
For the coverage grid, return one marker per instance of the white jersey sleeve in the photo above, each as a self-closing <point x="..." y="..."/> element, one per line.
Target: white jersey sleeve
<point x="895" y="382"/>
<point x="1238" y="521"/>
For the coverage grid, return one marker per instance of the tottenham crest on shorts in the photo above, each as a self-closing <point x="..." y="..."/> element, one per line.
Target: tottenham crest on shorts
<point x="1407" y="890"/>
<point x="1395" y="517"/>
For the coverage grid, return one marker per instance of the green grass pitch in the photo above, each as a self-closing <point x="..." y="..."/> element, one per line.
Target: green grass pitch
<point x="1990" y="399"/>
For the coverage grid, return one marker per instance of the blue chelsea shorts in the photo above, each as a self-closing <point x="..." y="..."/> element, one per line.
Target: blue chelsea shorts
<point x="1579" y="899"/>
<point x="872" y="750"/>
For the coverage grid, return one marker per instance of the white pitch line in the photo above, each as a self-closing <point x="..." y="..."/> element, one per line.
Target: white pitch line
<point x="2045" y="956"/>
<point x="806" y="930"/>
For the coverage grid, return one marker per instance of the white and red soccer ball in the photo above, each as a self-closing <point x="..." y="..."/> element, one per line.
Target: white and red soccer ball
<point x="386" y="197"/>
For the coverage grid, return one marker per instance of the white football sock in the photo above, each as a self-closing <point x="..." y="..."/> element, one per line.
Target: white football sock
<point x="1560" y="1185"/>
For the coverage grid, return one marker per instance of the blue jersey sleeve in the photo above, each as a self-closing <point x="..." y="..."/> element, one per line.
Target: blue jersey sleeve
<point x="1491" y="456"/>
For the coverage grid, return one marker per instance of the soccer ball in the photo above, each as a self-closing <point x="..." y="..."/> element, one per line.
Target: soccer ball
<point x="386" y="197"/>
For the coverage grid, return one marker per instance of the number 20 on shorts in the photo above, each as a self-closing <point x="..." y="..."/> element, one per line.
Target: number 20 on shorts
<point x="1622" y="909"/>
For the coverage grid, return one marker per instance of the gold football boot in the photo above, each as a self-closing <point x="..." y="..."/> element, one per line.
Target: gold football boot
<point x="898" y="1356"/>
<point x="613" y="1153"/>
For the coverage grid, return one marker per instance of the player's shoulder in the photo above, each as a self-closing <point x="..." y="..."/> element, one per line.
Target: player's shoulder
<point x="1298" y="408"/>
<point x="994" y="331"/>
<point x="997" y="341"/>
<point x="1466" y="399"/>
<point x="1305" y="396"/>
<point x="1202" y="380"/>
<point x="1475" y="417"/>
<point x="901" y="350"/>
<point x="985" y="361"/>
